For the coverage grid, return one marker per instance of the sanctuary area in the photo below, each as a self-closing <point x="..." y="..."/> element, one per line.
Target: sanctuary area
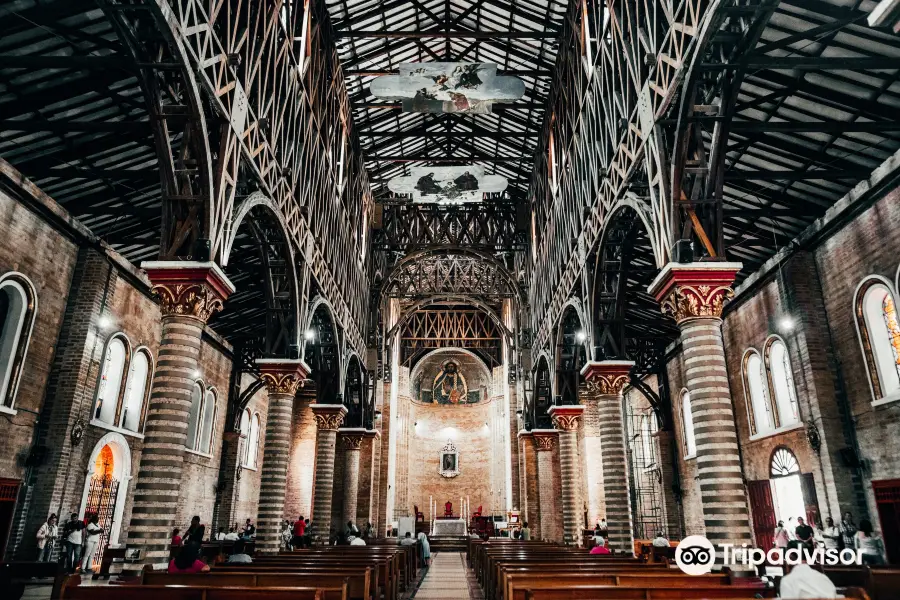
<point x="495" y="299"/>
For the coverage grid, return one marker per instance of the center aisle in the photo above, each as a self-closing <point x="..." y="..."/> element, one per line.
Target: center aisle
<point x="446" y="578"/>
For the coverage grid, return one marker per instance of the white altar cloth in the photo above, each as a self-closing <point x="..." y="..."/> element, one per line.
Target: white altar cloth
<point x="449" y="527"/>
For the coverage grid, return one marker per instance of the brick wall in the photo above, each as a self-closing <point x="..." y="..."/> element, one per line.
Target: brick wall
<point x="869" y="245"/>
<point x="301" y="469"/>
<point x="432" y="427"/>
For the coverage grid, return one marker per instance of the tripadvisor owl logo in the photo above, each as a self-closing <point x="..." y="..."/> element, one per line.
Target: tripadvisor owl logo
<point x="695" y="555"/>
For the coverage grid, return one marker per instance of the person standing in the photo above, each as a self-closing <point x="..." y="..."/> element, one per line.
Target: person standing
<point x="72" y="543"/>
<point x="195" y="533"/>
<point x="782" y="539"/>
<point x="426" y="548"/>
<point x="299" y="533"/>
<point x="831" y="535"/>
<point x="602" y="529"/>
<point x="848" y="530"/>
<point x="804" y="534"/>
<point x="91" y="542"/>
<point x="46" y="538"/>
<point x="869" y="544"/>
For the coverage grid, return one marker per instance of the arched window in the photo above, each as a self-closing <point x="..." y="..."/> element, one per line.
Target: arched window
<point x="136" y="391"/>
<point x="194" y="417"/>
<point x="209" y="422"/>
<point x="253" y="442"/>
<point x="17" y="309"/>
<point x="687" y="421"/>
<point x="756" y="390"/>
<point x="111" y="379"/>
<point x="880" y="335"/>
<point x="245" y="434"/>
<point x="782" y="383"/>
<point x="784" y="463"/>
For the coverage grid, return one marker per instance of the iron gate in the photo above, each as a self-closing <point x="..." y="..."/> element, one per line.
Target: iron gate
<point x="101" y="501"/>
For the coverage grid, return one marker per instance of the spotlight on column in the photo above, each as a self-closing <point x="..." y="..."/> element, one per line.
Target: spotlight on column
<point x="309" y="334"/>
<point x="104" y="323"/>
<point x="197" y="374"/>
<point x="786" y="323"/>
<point x="580" y="336"/>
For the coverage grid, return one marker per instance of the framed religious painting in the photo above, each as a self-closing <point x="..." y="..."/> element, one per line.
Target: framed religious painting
<point x="449" y="460"/>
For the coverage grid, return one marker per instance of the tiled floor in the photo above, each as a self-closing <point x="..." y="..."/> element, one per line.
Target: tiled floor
<point x="447" y="578"/>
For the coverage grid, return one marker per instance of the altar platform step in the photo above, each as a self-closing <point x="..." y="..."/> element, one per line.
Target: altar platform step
<point x="448" y="543"/>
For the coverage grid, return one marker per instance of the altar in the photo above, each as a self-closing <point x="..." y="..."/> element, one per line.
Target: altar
<point x="449" y="527"/>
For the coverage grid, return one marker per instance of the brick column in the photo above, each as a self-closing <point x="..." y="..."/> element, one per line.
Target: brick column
<point x="529" y="501"/>
<point x="592" y="460"/>
<point x="565" y="419"/>
<point x="229" y="476"/>
<point x="605" y="382"/>
<point x="694" y="294"/>
<point x="328" y="419"/>
<point x="282" y="378"/>
<point x="544" y="441"/>
<point x="352" y="439"/>
<point x="189" y="293"/>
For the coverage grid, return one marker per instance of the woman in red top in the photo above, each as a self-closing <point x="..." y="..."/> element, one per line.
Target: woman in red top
<point x="600" y="546"/>
<point x="176" y="539"/>
<point x="188" y="561"/>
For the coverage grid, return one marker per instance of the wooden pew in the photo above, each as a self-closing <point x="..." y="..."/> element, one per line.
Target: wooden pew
<point x="359" y="582"/>
<point x="515" y="583"/>
<point x="72" y="590"/>
<point x="587" y="592"/>
<point x="385" y="563"/>
<point x="881" y="583"/>
<point x="16" y="576"/>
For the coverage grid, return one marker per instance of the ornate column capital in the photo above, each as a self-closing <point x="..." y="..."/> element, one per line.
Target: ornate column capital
<point x="282" y="375"/>
<point x="566" y="418"/>
<point x="607" y="377"/>
<point x="188" y="288"/>
<point x="352" y="442"/>
<point x="694" y="290"/>
<point x="544" y="439"/>
<point x="328" y="416"/>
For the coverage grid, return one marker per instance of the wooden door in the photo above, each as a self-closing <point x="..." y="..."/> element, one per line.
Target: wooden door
<point x="762" y="509"/>
<point x="887" y="499"/>
<point x="810" y="499"/>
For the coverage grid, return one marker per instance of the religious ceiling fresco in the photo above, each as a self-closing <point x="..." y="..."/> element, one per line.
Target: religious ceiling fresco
<point x="448" y="87"/>
<point x="446" y="384"/>
<point x="447" y="185"/>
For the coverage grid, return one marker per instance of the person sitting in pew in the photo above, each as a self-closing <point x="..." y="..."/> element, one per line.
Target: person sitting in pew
<point x="356" y="541"/>
<point x="188" y="560"/>
<point x="660" y="541"/>
<point x="526" y="532"/>
<point x="220" y="535"/>
<point x="408" y="540"/>
<point x="231" y="535"/>
<point x="600" y="547"/>
<point x="238" y="554"/>
<point x="805" y="582"/>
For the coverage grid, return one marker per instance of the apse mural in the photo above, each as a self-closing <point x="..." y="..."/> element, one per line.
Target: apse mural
<point x="447" y="185"/>
<point x="448" y="386"/>
<point x="448" y="87"/>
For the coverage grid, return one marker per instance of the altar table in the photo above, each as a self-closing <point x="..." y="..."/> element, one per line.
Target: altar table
<point x="449" y="527"/>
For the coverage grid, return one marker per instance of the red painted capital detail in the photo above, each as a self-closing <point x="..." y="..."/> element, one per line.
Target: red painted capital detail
<point x="607" y="377"/>
<point x="694" y="290"/>
<point x="282" y="376"/>
<point x="565" y="418"/>
<point x="188" y="289"/>
<point x="544" y="441"/>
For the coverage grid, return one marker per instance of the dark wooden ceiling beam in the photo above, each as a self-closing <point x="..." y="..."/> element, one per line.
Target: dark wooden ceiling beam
<point x="442" y="34"/>
<point x="742" y="174"/>
<point x="63" y="126"/>
<point x="443" y="159"/>
<point x="509" y="73"/>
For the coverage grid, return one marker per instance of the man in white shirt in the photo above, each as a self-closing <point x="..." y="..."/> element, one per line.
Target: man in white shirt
<point x="805" y="582"/>
<point x="408" y="540"/>
<point x="660" y="541"/>
<point x="355" y="541"/>
<point x="231" y="535"/>
<point x="91" y="541"/>
<point x="831" y="535"/>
